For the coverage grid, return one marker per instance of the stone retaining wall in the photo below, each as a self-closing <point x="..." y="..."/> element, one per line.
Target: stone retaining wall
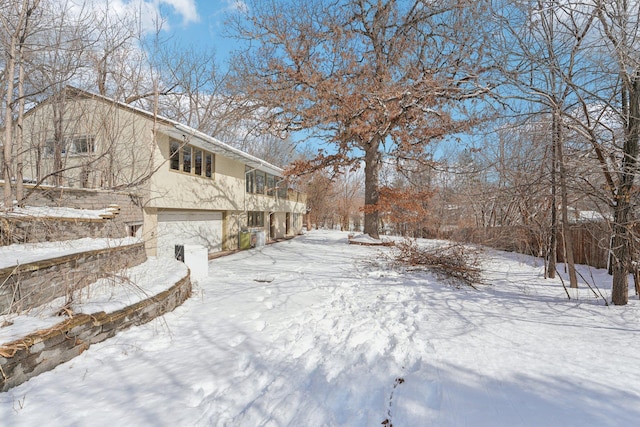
<point x="33" y="284"/>
<point x="83" y="198"/>
<point x="42" y="351"/>
<point x="17" y="230"/>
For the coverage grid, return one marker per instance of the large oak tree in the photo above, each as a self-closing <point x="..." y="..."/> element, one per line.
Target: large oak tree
<point x="373" y="79"/>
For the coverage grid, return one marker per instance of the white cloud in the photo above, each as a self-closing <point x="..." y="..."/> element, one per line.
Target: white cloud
<point x="150" y="12"/>
<point x="236" y="5"/>
<point x="185" y="8"/>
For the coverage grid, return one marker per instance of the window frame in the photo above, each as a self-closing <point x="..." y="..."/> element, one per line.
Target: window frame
<point x="174" y="155"/>
<point x="255" y="219"/>
<point x="70" y="146"/>
<point x="187" y="159"/>
<point x="271" y="185"/>
<point x="197" y="161"/>
<point x="261" y="181"/>
<point x="249" y="180"/>
<point x="181" y="153"/>
<point x="210" y="159"/>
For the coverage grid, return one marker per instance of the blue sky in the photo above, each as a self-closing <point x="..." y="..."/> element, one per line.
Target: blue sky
<point x="198" y="22"/>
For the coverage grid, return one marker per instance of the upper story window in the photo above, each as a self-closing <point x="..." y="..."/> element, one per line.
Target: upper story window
<point x="282" y="190"/>
<point x="82" y="145"/>
<point x="187" y="158"/>
<point x="192" y="160"/>
<point x="271" y="185"/>
<point x="250" y="179"/>
<point x="174" y="156"/>
<point x="72" y="145"/>
<point x="208" y="164"/>
<point x="259" y="182"/>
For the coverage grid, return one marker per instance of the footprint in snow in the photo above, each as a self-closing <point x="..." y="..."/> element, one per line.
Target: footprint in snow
<point x="237" y="340"/>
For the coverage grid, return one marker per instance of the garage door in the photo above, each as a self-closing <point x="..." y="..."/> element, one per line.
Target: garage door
<point x="188" y="228"/>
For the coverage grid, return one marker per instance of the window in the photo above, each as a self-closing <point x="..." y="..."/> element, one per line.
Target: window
<point x="271" y="185"/>
<point x="72" y="145"/>
<point x="250" y="177"/>
<point x="82" y="145"/>
<point x="198" y="162"/>
<point x="282" y="190"/>
<point x="186" y="159"/>
<point x="255" y="219"/>
<point x="49" y="148"/>
<point x="174" y="155"/>
<point x="260" y="181"/>
<point x="208" y="165"/>
<point x="189" y="159"/>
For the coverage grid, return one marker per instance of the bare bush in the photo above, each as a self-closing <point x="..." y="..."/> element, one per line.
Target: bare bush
<point x="455" y="261"/>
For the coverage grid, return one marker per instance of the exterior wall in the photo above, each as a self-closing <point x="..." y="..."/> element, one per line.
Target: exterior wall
<point x="123" y="143"/>
<point x="179" y="190"/>
<point x="279" y="226"/>
<point x="231" y="230"/>
<point x="150" y="231"/>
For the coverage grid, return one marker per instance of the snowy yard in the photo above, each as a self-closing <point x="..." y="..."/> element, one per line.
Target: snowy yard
<point x="312" y="332"/>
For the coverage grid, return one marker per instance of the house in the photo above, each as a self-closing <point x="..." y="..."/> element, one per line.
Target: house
<point x="194" y="189"/>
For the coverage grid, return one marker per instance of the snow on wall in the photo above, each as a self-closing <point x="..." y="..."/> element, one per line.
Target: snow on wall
<point x="42" y="351"/>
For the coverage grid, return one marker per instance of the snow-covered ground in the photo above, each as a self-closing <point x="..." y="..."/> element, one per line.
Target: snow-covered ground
<point x="315" y="332"/>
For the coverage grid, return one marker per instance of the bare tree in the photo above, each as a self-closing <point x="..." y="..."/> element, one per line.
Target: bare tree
<point x="620" y="27"/>
<point x="545" y="48"/>
<point x="370" y="78"/>
<point x="15" y="23"/>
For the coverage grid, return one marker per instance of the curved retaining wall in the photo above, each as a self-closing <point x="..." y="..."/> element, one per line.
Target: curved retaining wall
<point x="36" y="283"/>
<point x="42" y="351"/>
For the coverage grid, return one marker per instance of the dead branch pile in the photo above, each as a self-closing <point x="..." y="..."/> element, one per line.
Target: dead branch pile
<point x="454" y="261"/>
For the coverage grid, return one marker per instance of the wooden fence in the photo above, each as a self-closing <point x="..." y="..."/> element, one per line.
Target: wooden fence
<point x="590" y="241"/>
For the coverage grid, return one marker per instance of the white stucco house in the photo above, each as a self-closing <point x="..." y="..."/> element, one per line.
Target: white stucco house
<point x="194" y="189"/>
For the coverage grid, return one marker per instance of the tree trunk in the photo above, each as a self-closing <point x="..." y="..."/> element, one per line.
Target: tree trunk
<point x="620" y="264"/>
<point x="7" y="167"/>
<point x="58" y="140"/>
<point x="19" y="136"/>
<point x="567" y="237"/>
<point x="553" y="243"/>
<point x="622" y="234"/>
<point x="371" y="188"/>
